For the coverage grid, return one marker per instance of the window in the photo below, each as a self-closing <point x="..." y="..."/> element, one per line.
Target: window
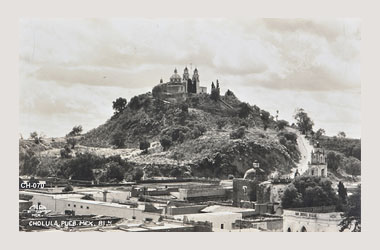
<point x="81" y="206"/>
<point x="68" y="205"/>
<point x="75" y="205"/>
<point x="87" y="207"/>
<point x="221" y="226"/>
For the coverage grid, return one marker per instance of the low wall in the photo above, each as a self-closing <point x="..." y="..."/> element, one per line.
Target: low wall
<point x="186" y="194"/>
<point x="185" y="210"/>
<point x="266" y="224"/>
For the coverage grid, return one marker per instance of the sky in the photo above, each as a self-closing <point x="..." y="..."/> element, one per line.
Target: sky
<point x="70" y="70"/>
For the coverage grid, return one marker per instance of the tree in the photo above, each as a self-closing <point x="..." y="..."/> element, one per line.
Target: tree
<point x="265" y="118"/>
<point x="119" y="105"/>
<point x="334" y="160"/>
<point x="37" y="138"/>
<point x="215" y="94"/>
<point x="65" y="152"/>
<point x="117" y="139"/>
<point x="281" y="124"/>
<point x="138" y="173"/>
<point x="72" y="142"/>
<point x="33" y="135"/>
<point x="304" y="123"/>
<point x="342" y="192"/>
<point x="352" y="166"/>
<point x="309" y="191"/>
<point x="144" y="145"/>
<point x="158" y="91"/>
<point x="115" y="172"/>
<point x="291" y="198"/>
<point x="166" y="142"/>
<point x="135" y="103"/>
<point x="176" y="172"/>
<point x="77" y="130"/>
<point x="319" y="133"/>
<point x="352" y="214"/>
<point x="229" y="93"/>
<point x="341" y="134"/>
<point x="244" y="110"/>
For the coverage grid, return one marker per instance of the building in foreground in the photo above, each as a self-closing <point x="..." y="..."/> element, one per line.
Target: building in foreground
<point x="311" y="219"/>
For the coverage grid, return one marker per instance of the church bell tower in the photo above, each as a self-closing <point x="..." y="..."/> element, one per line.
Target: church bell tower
<point x="196" y="80"/>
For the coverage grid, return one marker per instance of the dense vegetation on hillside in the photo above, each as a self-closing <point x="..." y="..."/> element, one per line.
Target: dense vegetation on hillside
<point x="343" y="154"/>
<point x="182" y="136"/>
<point x="199" y="136"/>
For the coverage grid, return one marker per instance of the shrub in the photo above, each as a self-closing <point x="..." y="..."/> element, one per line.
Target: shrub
<point x="221" y="123"/>
<point x="166" y="142"/>
<point x="238" y="134"/>
<point x="77" y="130"/>
<point x="43" y="172"/>
<point x="115" y="172"/>
<point x="138" y="173"/>
<point x="244" y="110"/>
<point x="72" y="141"/>
<point x="281" y="124"/>
<point x="89" y="197"/>
<point x="229" y="93"/>
<point x="144" y="145"/>
<point x="68" y="188"/>
<point x="158" y="91"/>
<point x="117" y="139"/>
<point x="134" y="103"/>
<point x="215" y="94"/>
<point x="65" y="152"/>
<point x="290" y="136"/>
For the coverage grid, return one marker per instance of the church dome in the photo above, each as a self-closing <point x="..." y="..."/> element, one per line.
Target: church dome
<point x="175" y="77"/>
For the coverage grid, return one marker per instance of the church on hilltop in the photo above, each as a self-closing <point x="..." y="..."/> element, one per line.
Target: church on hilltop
<point x="184" y="84"/>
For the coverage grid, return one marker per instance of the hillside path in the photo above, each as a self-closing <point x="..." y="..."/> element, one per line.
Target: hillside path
<point x="305" y="149"/>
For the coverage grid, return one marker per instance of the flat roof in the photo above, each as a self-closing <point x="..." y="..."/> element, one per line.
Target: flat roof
<point x="219" y="208"/>
<point x="206" y="215"/>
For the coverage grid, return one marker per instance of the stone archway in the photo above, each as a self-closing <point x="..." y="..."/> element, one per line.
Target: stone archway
<point x="303" y="229"/>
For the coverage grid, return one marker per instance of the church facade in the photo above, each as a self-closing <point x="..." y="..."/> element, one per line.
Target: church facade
<point x="318" y="164"/>
<point x="183" y="84"/>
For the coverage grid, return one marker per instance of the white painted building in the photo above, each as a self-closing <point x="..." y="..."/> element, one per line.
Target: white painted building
<point x="301" y="221"/>
<point x="59" y="203"/>
<point x="221" y="221"/>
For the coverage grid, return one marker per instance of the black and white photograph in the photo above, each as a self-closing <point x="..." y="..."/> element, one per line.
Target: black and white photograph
<point x="189" y="124"/>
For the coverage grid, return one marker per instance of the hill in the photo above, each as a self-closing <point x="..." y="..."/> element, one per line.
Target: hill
<point x="190" y="136"/>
